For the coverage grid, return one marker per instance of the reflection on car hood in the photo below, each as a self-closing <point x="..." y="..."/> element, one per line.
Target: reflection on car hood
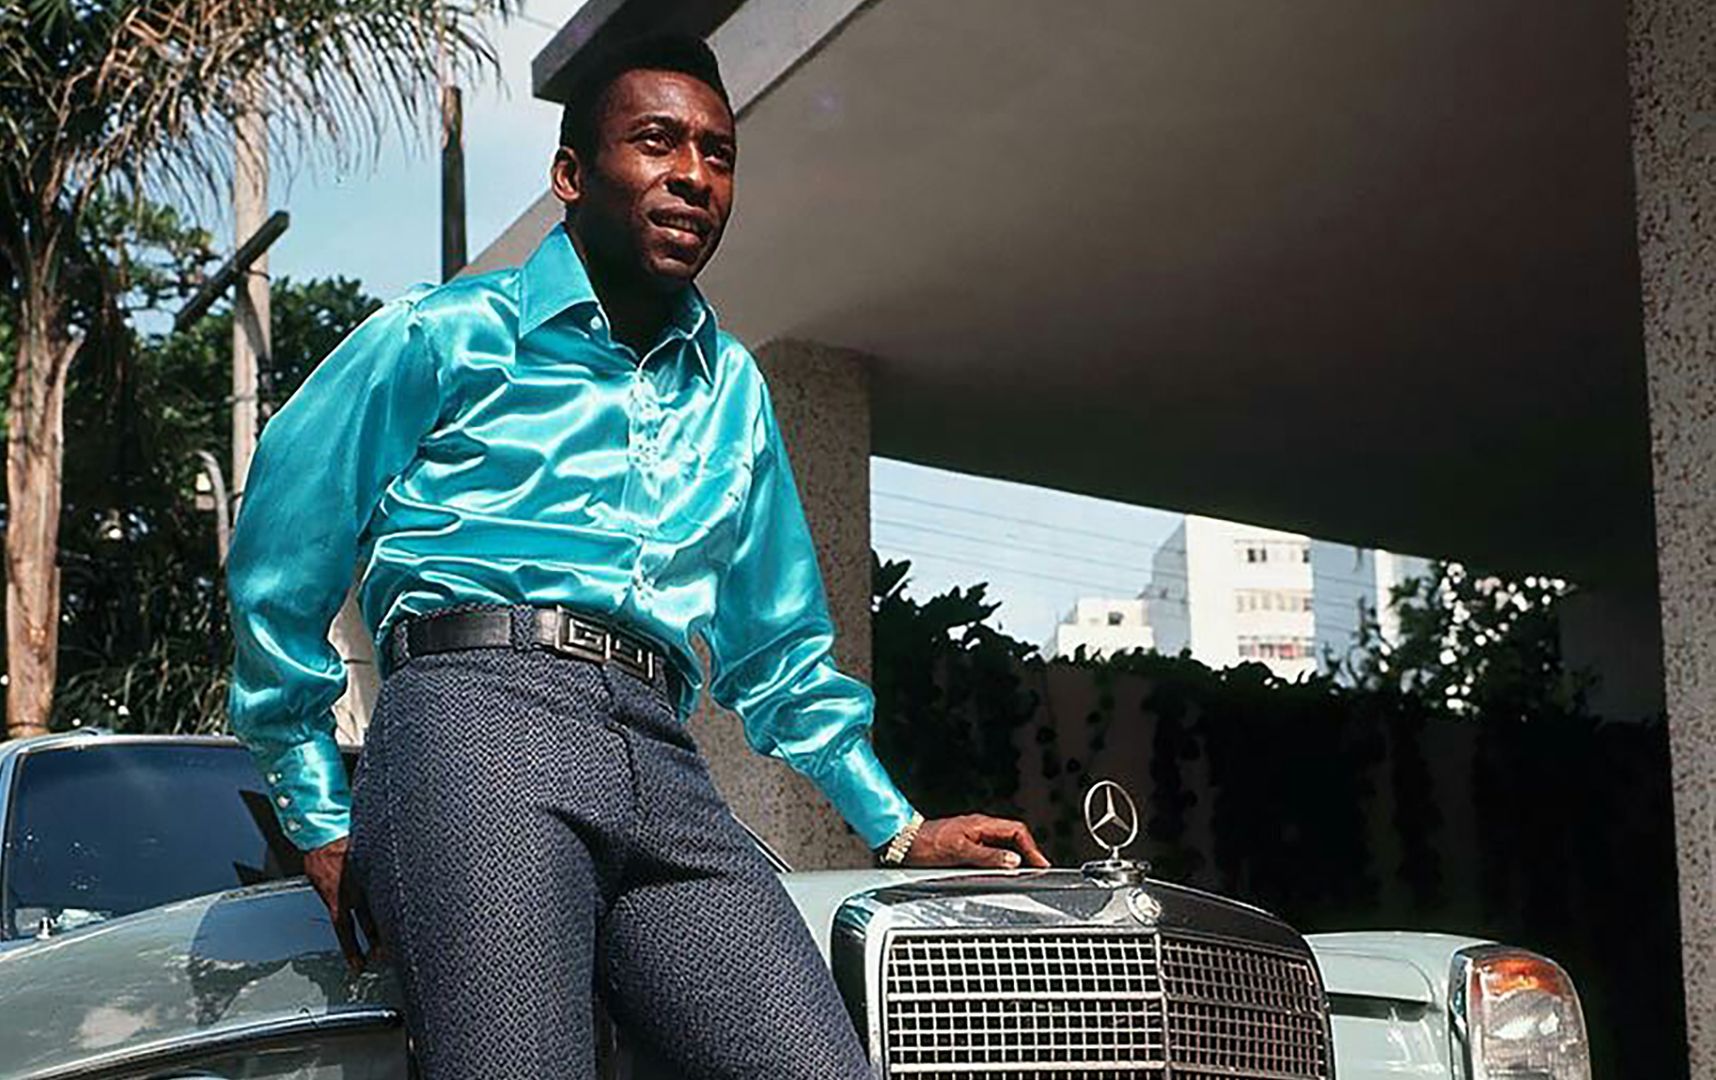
<point x="226" y="961"/>
<point x="819" y="894"/>
<point x="1395" y="964"/>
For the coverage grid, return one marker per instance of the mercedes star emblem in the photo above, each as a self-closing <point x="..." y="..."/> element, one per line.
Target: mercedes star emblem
<point x="1144" y="907"/>
<point x="1112" y="824"/>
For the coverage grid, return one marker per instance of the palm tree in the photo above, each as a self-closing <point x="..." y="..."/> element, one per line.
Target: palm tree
<point x="139" y="95"/>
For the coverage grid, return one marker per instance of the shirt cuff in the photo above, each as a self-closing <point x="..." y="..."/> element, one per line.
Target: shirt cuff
<point x="863" y="793"/>
<point x="308" y="790"/>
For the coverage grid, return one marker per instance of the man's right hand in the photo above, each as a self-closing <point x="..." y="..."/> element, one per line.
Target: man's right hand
<point x="326" y="868"/>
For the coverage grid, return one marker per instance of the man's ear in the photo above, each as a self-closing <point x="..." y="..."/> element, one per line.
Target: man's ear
<point x="566" y="177"/>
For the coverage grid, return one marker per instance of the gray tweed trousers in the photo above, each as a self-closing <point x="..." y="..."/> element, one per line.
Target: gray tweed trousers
<point x="534" y="833"/>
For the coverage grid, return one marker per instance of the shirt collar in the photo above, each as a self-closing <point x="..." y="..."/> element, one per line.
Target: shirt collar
<point x="553" y="280"/>
<point x="694" y="320"/>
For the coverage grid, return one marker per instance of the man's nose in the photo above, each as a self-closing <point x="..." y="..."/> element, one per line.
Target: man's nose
<point x="691" y="179"/>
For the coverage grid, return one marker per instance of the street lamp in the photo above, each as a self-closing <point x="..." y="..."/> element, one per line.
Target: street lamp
<point x="211" y="495"/>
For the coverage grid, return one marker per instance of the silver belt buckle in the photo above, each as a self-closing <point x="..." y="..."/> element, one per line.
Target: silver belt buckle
<point x="575" y="637"/>
<point x="589" y="641"/>
<point x="631" y="656"/>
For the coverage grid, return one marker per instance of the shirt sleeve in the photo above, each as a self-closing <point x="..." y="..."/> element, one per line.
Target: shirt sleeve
<point x="317" y="475"/>
<point x="770" y="645"/>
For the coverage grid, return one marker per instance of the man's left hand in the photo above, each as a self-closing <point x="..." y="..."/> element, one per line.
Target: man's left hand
<point x="974" y="840"/>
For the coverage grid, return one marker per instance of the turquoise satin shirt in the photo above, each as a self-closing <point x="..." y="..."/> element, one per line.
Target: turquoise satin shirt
<point x="488" y="441"/>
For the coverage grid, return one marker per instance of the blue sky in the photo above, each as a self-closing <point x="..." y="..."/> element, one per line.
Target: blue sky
<point x="1039" y="550"/>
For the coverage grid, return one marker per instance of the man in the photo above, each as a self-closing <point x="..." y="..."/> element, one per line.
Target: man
<point x="556" y="478"/>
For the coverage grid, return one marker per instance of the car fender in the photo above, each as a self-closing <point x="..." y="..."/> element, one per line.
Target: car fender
<point x="1388" y="1002"/>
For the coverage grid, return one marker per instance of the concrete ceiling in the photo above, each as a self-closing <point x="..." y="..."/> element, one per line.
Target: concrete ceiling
<point x="1361" y="269"/>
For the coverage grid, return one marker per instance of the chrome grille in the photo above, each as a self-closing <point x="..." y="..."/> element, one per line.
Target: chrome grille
<point x="1234" y="1011"/>
<point x="1097" y="1005"/>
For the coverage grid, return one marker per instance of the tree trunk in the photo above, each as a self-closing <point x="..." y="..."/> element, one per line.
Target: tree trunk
<point x="35" y="450"/>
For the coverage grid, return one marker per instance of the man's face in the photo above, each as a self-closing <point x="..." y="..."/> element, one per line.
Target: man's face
<point x="655" y="198"/>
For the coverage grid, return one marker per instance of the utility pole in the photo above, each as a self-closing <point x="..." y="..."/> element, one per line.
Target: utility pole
<point x="251" y="326"/>
<point x="251" y="350"/>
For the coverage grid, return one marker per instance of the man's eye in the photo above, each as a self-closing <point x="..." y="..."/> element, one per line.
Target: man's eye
<point x="654" y="140"/>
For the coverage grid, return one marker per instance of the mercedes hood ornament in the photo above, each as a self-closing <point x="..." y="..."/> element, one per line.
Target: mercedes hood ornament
<point x="1111" y="817"/>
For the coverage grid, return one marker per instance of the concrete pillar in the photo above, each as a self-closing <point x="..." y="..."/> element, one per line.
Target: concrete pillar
<point x="822" y="401"/>
<point x="1672" y="65"/>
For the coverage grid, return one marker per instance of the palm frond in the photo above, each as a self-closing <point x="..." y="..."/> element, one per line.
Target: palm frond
<point x="143" y="92"/>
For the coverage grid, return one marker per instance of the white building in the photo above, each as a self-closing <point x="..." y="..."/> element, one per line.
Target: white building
<point x="1103" y="627"/>
<point x="1230" y="592"/>
<point x="1353" y="585"/>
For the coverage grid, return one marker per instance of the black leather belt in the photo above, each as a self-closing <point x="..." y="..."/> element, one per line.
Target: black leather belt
<point x="554" y="629"/>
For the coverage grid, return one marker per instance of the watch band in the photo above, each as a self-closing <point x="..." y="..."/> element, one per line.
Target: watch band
<point x="895" y="853"/>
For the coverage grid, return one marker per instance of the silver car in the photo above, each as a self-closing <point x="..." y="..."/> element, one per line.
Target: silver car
<point x="153" y="923"/>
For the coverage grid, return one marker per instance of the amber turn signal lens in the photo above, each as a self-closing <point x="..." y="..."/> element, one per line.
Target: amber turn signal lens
<point x="1520" y="971"/>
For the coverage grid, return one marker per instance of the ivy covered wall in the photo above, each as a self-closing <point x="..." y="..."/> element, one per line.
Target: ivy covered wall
<point x="1336" y="807"/>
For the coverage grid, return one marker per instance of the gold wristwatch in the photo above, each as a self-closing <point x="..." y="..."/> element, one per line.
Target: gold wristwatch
<point x="895" y="852"/>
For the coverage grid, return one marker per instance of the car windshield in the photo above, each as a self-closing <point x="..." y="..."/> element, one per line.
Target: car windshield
<point x="96" y="831"/>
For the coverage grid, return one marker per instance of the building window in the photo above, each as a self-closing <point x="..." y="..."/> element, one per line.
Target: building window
<point x="1116" y="618"/>
<point x="1253" y="647"/>
<point x="1268" y="551"/>
<point x="1290" y="600"/>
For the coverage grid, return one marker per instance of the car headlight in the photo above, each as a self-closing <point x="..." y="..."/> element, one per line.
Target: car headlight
<point x="1516" y="1016"/>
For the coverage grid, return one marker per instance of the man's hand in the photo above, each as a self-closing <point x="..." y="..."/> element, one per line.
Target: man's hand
<point x="326" y="868"/>
<point x="974" y="840"/>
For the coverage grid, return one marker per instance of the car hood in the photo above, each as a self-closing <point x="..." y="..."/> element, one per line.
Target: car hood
<point x="226" y="962"/>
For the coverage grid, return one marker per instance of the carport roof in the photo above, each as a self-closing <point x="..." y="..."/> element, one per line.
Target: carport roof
<point x="1361" y="270"/>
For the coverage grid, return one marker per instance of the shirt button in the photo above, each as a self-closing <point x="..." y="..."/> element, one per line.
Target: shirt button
<point x="284" y="801"/>
<point x="273" y="778"/>
<point x="595" y="322"/>
<point x="291" y="826"/>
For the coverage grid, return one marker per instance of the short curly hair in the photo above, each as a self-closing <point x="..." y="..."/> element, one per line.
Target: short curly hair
<point x="658" y="52"/>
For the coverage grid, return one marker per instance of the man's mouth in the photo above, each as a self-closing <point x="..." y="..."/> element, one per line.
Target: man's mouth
<point x="697" y="227"/>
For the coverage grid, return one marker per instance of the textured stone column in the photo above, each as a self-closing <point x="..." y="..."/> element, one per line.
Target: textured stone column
<point x="821" y="399"/>
<point x="1672" y="60"/>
